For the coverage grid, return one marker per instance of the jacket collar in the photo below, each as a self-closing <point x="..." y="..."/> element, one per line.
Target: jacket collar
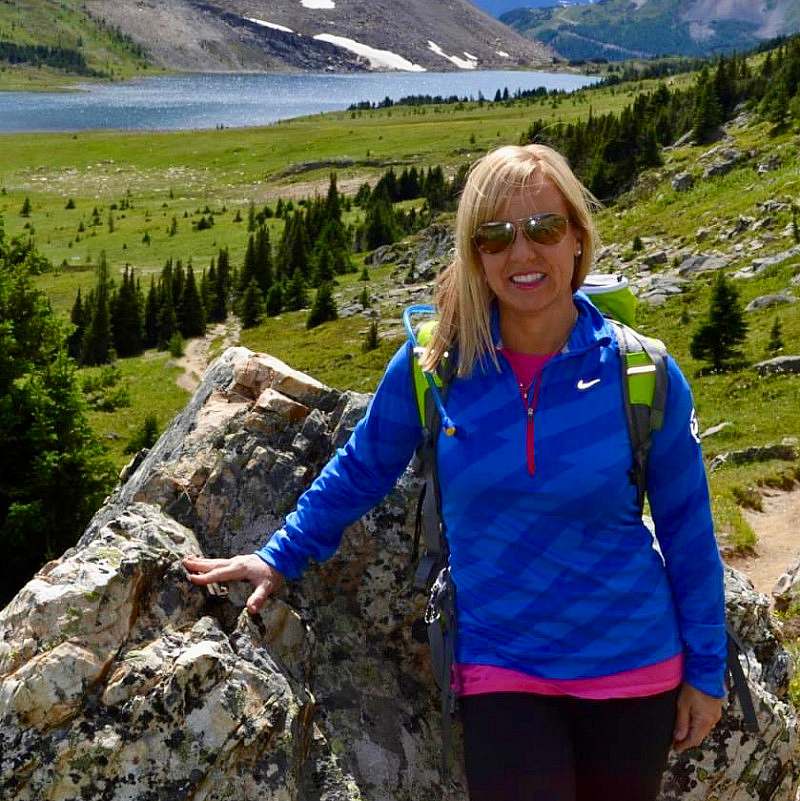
<point x="590" y="328"/>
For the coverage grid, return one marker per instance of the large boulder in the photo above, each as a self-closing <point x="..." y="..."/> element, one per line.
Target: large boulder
<point x="779" y="364"/>
<point x="120" y="680"/>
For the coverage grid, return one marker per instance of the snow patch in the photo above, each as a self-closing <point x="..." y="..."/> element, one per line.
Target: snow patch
<point x="264" y="24"/>
<point x="379" y="59"/>
<point x="470" y="56"/>
<point x="315" y="4"/>
<point x="461" y="63"/>
<point x="502" y="53"/>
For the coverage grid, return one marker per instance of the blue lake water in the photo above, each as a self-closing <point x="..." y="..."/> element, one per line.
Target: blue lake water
<point x="206" y="101"/>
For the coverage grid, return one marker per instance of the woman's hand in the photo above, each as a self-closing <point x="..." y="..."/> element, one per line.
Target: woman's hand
<point x="248" y="567"/>
<point x="698" y="713"/>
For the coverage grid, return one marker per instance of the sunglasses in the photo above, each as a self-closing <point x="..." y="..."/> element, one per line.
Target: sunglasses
<point x="542" y="229"/>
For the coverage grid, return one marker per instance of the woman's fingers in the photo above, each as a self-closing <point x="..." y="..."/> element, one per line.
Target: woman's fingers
<point x="259" y="597"/>
<point x="697" y="714"/>
<point x="208" y="571"/>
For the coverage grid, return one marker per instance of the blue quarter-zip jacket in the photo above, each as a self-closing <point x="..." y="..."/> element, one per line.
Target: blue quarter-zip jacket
<point x="555" y="573"/>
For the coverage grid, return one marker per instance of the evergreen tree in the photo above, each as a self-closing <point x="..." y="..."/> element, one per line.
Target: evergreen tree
<point x="274" y="303"/>
<point x="262" y="263"/>
<point x="324" y="308"/>
<point x="97" y="342"/>
<point x="126" y="321"/>
<point x="707" y="112"/>
<point x="323" y="272"/>
<point x="193" y="322"/>
<point x="718" y="338"/>
<point x="251" y="218"/>
<point x="380" y="227"/>
<point x="223" y="287"/>
<point x="252" y="305"/>
<point x="248" y="271"/>
<point x="295" y="296"/>
<point x="54" y="474"/>
<point x="775" y="344"/>
<point x="167" y="319"/>
<point x="151" y="310"/>
<point x="371" y="341"/>
<point x="77" y="318"/>
<point x="363" y="298"/>
<point x="26" y="209"/>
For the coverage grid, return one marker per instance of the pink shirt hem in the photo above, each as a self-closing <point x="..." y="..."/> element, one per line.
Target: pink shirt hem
<point x="649" y="680"/>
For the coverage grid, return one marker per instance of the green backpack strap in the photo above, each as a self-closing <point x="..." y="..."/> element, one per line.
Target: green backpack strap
<point x="644" y="386"/>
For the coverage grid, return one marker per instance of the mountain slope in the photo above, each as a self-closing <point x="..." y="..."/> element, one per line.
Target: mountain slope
<point x="319" y="34"/>
<point x="617" y="29"/>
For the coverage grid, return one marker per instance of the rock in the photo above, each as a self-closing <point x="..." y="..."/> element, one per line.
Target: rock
<point x="701" y="234"/>
<point x="786" y="450"/>
<point x="786" y="591"/>
<point x="768" y="301"/>
<point x="656" y="258"/>
<point x="702" y="263"/>
<point x="764" y="222"/>
<point x="757" y="266"/>
<point x="683" y="181"/>
<point x="780" y="364"/>
<point x="795" y="280"/>
<point x="709" y="432"/>
<point x="727" y="159"/>
<point x="686" y="139"/>
<point x="119" y="679"/>
<point x="773" y="206"/>
<point x="772" y="162"/>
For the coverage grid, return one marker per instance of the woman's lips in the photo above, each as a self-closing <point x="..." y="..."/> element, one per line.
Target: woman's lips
<point x="527" y="280"/>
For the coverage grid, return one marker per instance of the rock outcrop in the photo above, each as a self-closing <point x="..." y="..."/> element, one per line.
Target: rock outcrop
<point x="121" y="680"/>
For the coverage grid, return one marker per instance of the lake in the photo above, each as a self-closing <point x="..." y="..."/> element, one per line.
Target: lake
<point x="180" y="102"/>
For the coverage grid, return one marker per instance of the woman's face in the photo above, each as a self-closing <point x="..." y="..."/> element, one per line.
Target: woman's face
<point x="527" y="277"/>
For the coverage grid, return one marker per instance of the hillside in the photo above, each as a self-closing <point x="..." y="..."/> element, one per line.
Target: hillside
<point x="621" y="29"/>
<point x="104" y="38"/>
<point x="498" y="7"/>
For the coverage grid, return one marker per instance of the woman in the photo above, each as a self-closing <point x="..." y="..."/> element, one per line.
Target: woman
<point x="583" y="652"/>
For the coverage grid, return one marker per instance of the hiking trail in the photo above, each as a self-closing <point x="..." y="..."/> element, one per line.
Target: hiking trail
<point x="197" y="354"/>
<point x="778" y="546"/>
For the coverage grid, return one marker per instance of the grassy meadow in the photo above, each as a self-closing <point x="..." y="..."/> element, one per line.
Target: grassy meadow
<point x="183" y="175"/>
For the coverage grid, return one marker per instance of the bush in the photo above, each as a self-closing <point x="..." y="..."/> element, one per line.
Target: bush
<point x="145" y="437"/>
<point x="175" y="346"/>
<point x="103" y="391"/>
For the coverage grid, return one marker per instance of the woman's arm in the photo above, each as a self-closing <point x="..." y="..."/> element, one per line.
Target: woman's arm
<point x="678" y="492"/>
<point x="355" y="479"/>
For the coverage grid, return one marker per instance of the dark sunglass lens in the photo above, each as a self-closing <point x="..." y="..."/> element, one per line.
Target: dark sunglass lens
<point x="494" y="237"/>
<point x="547" y="229"/>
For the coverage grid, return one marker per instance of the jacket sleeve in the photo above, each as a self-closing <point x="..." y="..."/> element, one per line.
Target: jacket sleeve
<point x="358" y="476"/>
<point x="679" y="500"/>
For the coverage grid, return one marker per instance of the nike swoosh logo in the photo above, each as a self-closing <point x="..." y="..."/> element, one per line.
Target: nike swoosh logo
<point x="587" y="384"/>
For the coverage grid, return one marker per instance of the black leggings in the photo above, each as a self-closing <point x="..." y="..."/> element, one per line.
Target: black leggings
<point x="522" y="747"/>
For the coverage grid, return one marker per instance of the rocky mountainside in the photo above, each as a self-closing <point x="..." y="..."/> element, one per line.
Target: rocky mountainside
<point x="337" y="35"/>
<point x="619" y="29"/>
<point x="121" y="680"/>
<point x="498" y="7"/>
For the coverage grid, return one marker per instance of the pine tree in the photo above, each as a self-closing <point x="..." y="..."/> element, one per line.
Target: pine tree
<point x="151" y="310"/>
<point x="323" y="272"/>
<point x="364" y="274"/>
<point x="167" y="319"/>
<point x="252" y="305"/>
<point x="26" y="209"/>
<point x="717" y="338"/>
<point x="248" y="271"/>
<point x="126" y="321"/>
<point x="708" y="112"/>
<point x="363" y="298"/>
<point x="251" y="218"/>
<point x="371" y="341"/>
<point x="262" y="265"/>
<point x="54" y="473"/>
<point x="223" y="287"/>
<point x="294" y="295"/>
<point x="324" y="308"/>
<point x="380" y="227"/>
<point x="96" y="347"/>
<point x="775" y="344"/>
<point x="274" y="302"/>
<point x="795" y="228"/>
<point x="110" y="222"/>
<point x="193" y="322"/>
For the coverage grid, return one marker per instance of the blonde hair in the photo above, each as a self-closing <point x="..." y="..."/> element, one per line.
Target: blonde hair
<point x="462" y="295"/>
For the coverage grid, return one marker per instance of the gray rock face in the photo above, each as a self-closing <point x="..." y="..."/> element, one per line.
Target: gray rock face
<point x="786" y="450"/>
<point x="757" y="266"/>
<point x="683" y="181"/>
<point x="702" y="263"/>
<point x="768" y="301"/>
<point x="780" y="364"/>
<point x="119" y="680"/>
<point x="726" y="159"/>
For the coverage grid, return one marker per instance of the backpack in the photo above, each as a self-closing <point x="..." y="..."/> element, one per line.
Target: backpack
<point x="644" y="382"/>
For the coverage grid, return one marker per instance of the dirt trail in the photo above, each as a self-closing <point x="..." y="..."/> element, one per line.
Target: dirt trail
<point x="778" y="532"/>
<point x="196" y="356"/>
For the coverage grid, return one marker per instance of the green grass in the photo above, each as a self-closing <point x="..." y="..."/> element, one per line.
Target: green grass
<point x="150" y="380"/>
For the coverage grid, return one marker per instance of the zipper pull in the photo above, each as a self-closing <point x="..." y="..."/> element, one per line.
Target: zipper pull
<point x="530" y="411"/>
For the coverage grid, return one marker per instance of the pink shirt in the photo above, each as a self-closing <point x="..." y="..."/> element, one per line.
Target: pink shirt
<point x="478" y="679"/>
